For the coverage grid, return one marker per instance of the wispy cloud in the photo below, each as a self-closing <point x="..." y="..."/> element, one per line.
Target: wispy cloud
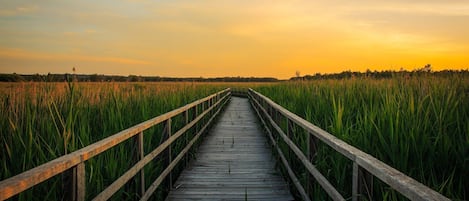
<point x="18" y="10"/>
<point x="28" y="55"/>
<point x="183" y="37"/>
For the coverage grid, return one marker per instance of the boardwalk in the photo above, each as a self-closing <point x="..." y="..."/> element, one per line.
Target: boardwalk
<point x="234" y="162"/>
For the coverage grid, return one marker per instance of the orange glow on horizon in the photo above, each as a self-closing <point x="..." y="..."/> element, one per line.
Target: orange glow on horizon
<point x="231" y="38"/>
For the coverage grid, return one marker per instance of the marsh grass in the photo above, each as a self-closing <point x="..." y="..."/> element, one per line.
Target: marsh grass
<point x="418" y="125"/>
<point x="42" y="121"/>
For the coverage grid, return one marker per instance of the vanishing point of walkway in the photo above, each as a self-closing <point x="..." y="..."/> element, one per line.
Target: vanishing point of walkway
<point x="234" y="162"/>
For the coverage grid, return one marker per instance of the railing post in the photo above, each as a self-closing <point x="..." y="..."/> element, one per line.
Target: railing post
<point x="140" y="154"/>
<point x="204" y="106"/>
<point x="81" y="181"/>
<point x="195" y="127"/>
<point x="311" y="150"/>
<point x="170" y="154"/>
<point x="74" y="183"/>
<point x="290" y="133"/>
<point x="137" y="183"/>
<point x="355" y="182"/>
<point x="167" y="155"/>
<point x="196" y="115"/>
<point x="186" y="139"/>
<point x="362" y="183"/>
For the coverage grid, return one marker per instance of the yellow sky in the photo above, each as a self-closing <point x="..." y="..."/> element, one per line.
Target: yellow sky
<point x="267" y="38"/>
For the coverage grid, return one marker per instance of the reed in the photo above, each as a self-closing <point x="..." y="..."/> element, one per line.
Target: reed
<point x="418" y="125"/>
<point x="41" y="121"/>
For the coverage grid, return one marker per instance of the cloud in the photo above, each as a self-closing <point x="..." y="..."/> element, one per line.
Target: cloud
<point x="21" y="54"/>
<point x="20" y="10"/>
<point x="197" y="37"/>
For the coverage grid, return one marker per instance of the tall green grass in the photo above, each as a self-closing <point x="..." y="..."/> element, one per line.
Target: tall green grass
<point x="42" y="121"/>
<point x="418" y="125"/>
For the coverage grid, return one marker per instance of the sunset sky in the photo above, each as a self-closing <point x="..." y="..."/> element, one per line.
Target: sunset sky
<point x="212" y="38"/>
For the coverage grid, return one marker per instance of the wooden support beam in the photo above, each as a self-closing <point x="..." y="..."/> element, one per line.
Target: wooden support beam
<point x="311" y="151"/>
<point x="141" y="155"/>
<point x="74" y="183"/>
<point x="170" y="154"/>
<point x="81" y="182"/>
<point x="290" y="134"/>
<point x="186" y="137"/>
<point x="355" y="193"/>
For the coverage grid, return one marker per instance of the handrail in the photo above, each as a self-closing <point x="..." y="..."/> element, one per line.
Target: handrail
<point x="76" y="160"/>
<point x="268" y="110"/>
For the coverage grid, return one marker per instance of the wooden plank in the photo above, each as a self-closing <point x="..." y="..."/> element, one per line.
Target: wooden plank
<point x="168" y="156"/>
<point x="235" y="184"/>
<point x="209" y="191"/>
<point x="311" y="151"/>
<point x="397" y="180"/>
<point x="404" y="184"/>
<point x="81" y="182"/>
<point x="19" y="183"/>
<point x="139" y="155"/>
<point x="231" y="160"/>
<point x="160" y="178"/>
<point x="74" y="185"/>
<point x="186" y="136"/>
<point x="141" y="152"/>
<point x="355" y="182"/>
<point x="243" y="197"/>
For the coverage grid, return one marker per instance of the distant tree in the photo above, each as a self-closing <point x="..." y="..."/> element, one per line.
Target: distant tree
<point x="427" y="68"/>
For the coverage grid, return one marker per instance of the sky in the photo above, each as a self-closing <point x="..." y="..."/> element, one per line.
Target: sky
<point x="214" y="38"/>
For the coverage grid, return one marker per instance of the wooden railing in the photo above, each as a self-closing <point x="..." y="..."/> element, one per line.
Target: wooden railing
<point x="239" y="92"/>
<point x="203" y="112"/>
<point x="271" y="115"/>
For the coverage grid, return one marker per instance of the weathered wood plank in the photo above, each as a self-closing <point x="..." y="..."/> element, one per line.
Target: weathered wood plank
<point x="219" y="197"/>
<point x="139" y="155"/>
<point x="81" y="182"/>
<point x="167" y="171"/>
<point x="234" y="160"/>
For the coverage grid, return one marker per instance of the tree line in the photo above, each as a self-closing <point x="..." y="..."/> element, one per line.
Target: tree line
<point x="426" y="70"/>
<point x="118" y="78"/>
<point x="381" y="74"/>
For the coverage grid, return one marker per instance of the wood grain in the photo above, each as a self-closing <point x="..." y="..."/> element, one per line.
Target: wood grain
<point x="234" y="162"/>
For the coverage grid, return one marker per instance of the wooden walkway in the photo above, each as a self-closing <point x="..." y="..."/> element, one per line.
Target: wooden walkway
<point x="234" y="162"/>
